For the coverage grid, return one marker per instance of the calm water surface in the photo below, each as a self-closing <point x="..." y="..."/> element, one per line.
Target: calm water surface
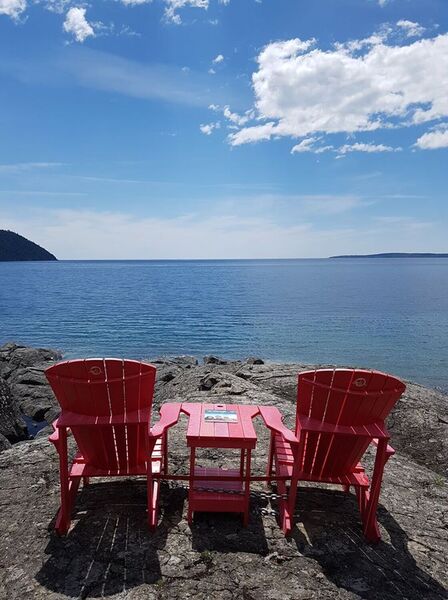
<point x="390" y="314"/>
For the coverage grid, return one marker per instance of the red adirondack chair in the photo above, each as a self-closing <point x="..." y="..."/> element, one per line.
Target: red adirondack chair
<point x="106" y="403"/>
<point x="340" y="412"/>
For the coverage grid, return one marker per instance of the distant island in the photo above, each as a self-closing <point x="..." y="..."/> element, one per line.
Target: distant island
<point x="15" y="247"/>
<point x="395" y="255"/>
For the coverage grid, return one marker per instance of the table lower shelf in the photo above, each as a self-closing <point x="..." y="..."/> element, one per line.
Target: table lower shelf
<point x="216" y="501"/>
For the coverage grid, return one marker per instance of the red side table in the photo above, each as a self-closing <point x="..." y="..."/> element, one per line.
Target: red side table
<point x="215" y="489"/>
<point x="239" y="434"/>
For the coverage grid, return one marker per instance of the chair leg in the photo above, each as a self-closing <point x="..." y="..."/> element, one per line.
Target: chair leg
<point x="289" y="506"/>
<point x="361" y="498"/>
<point x="63" y="519"/>
<point x="371" y="529"/>
<point x="269" y="468"/>
<point x="151" y="501"/>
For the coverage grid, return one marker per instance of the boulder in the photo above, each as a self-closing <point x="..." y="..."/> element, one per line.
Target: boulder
<point x="5" y="444"/>
<point x="214" y="360"/>
<point x="12" y="425"/>
<point x="23" y="369"/>
<point x="253" y="360"/>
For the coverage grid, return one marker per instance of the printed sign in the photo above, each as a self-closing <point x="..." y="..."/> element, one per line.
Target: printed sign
<point x="221" y="416"/>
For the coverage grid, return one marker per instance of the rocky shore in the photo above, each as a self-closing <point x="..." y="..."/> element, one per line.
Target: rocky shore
<point x="110" y="553"/>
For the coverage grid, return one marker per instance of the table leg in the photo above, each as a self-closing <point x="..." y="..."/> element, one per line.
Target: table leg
<point x="191" y="482"/>
<point x="247" y="489"/>
<point x="242" y="463"/>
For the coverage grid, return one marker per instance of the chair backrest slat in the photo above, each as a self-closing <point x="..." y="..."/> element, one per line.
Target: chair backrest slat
<point x="107" y="388"/>
<point x="349" y="397"/>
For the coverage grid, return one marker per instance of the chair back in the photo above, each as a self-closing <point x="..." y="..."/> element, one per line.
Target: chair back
<point x="345" y="397"/>
<point x="107" y="405"/>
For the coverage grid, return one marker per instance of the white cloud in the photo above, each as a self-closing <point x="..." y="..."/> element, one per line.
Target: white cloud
<point x="309" y="145"/>
<point x="208" y="128"/>
<point x="432" y="140"/>
<point x="77" y="24"/>
<point x="173" y="6"/>
<point x="301" y="90"/>
<point x="360" y="147"/>
<point x="227" y="235"/>
<point x="211" y="71"/>
<point x="218" y="59"/>
<point x="28" y="166"/>
<point x="12" y="8"/>
<point x="54" y="6"/>
<point x="306" y="145"/>
<point x="411" y="28"/>
<point x="233" y="117"/>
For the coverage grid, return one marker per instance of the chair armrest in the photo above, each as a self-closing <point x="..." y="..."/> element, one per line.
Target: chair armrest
<point x="273" y="421"/>
<point x="389" y="450"/>
<point x="54" y="437"/>
<point x="169" y="416"/>
<point x="374" y="430"/>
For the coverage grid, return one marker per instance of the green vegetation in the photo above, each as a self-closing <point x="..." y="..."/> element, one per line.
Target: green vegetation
<point x="15" y="247"/>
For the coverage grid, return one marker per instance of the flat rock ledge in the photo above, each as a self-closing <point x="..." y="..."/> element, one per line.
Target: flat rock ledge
<point x="110" y="553"/>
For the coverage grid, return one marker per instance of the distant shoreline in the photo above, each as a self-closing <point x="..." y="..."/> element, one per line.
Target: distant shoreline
<point x="395" y="255"/>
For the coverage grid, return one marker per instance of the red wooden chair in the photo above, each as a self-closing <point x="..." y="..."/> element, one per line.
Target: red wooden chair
<point x="340" y="412"/>
<point x="106" y="403"/>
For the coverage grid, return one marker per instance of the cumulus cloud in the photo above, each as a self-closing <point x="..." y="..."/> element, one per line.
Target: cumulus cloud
<point x="310" y="145"/>
<point x="233" y="117"/>
<point x="12" y="8"/>
<point x="432" y="140"/>
<point x="411" y="28"/>
<point x="301" y="90"/>
<point x="359" y="147"/>
<point x="208" y="128"/>
<point x="218" y="59"/>
<point x="77" y="24"/>
<point x="54" y="6"/>
<point x="173" y="6"/>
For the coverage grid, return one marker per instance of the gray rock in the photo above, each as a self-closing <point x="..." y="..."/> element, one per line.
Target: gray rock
<point x="214" y="360"/>
<point x="25" y="356"/>
<point x="184" y="361"/>
<point x="12" y="426"/>
<point x="23" y="369"/>
<point x="253" y="360"/>
<point x="5" y="444"/>
<point x="110" y="553"/>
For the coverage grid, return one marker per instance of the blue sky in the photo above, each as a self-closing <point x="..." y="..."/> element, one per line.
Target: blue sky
<point x="224" y="129"/>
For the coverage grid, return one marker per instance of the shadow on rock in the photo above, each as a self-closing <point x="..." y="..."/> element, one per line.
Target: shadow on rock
<point x="224" y="532"/>
<point x="328" y="529"/>
<point x="109" y="548"/>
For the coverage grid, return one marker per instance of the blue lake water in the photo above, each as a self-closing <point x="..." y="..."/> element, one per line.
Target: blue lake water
<point x="390" y="314"/>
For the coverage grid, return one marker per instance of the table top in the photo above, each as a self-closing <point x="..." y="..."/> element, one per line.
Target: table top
<point x="208" y="433"/>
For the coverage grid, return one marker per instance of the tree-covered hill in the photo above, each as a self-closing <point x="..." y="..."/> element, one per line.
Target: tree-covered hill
<point x="15" y="247"/>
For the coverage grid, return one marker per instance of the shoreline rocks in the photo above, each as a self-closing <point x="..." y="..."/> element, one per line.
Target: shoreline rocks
<point x="109" y="551"/>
